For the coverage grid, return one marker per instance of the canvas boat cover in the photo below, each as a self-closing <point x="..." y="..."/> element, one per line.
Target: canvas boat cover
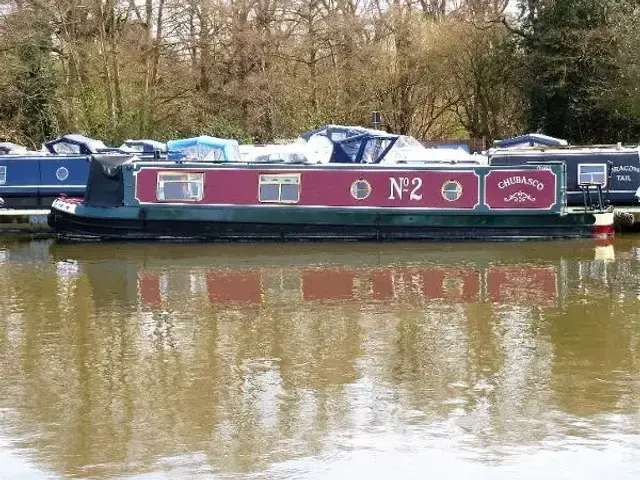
<point x="8" y="148"/>
<point x="74" y="144"/>
<point x="204" y="149"/>
<point x="349" y="144"/>
<point x="105" y="185"/>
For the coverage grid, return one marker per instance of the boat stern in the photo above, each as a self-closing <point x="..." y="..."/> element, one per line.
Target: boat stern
<point x="603" y="227"/>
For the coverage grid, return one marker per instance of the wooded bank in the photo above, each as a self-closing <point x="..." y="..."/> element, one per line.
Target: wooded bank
<point x="257" y="70"/>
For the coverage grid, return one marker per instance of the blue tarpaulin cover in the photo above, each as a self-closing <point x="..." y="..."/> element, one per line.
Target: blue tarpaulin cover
<point x="204" y="149"/>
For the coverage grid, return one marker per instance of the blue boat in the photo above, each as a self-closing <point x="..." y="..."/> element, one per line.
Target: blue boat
<point x="31" y="179"/>
<point x="614" y="169"/>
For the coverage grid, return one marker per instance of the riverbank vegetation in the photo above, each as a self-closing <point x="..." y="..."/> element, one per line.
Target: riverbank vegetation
<point x="263" y="69"/>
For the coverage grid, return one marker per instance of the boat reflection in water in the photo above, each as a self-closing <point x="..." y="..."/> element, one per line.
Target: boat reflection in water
<point x="522" y="284"/>
<point x="187" y="360"/>
<point x="292" y="276"/>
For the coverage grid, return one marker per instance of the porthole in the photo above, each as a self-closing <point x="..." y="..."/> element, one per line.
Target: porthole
<point x="62" y="174"/>
<point x="360" y="189"/>
<point x="451" y="190"/>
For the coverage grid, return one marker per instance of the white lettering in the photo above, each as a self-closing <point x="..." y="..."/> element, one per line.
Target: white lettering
<point x="623" y="178"/>
<point x="396" y="188"/>
<point x="417" y="184"/>
<point x="625" y="168"/>
<point x="533" y="182"/>
<point x="400" y="185"/>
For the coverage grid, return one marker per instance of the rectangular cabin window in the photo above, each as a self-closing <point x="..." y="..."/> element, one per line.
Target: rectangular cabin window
<point x="180" y="187"/>
<point x="3" y="174"/>
<point x="592" y="173"/>
<point x="284" y="188"/>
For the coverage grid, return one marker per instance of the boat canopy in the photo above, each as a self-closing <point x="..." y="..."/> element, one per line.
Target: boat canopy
<point x="530" y="140"/>
<point x="341" y="132"/>
<point x="8" y="148"/>
<point x="348" y="144"/>
<point x="143" y="146"/>
<point x="204" y="149"/>
<point x="75" y="144"/>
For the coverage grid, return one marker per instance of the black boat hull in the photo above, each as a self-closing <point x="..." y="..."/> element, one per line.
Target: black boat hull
<point x="72" y="226"/>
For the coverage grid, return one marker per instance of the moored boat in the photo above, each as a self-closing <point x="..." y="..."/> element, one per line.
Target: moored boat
<point x="616" y="169"/>
<point x="34" y="179"/>
<point x="224" y="200"/>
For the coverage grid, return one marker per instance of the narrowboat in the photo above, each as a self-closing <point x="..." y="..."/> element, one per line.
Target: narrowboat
<point x="615" y="169"/>
<point x="31" y="180"/>
<point x="222" y="200"/>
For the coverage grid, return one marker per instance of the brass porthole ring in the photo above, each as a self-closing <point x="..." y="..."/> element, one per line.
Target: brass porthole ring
<point x="451" y="190"/>
<point x="360" y="189"/>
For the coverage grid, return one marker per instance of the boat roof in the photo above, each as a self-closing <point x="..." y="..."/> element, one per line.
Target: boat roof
<point x="451" y="146"/>
<point x="336" y="144"/>
<point x="529" y="140"/>
<point x="275" y="153"/>
<point x="566" y="151"/>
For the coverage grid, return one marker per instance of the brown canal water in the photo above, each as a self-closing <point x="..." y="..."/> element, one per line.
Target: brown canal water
<point x="368" y="361"/>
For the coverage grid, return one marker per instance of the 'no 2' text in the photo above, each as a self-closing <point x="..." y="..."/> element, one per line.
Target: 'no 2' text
<point x="400" y="187"/>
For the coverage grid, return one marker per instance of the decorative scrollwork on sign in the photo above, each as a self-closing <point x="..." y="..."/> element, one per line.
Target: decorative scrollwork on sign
<point x="519" y="197"/>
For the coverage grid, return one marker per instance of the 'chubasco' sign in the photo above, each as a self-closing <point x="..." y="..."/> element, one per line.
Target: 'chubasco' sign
<point x="520" y="189"/>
